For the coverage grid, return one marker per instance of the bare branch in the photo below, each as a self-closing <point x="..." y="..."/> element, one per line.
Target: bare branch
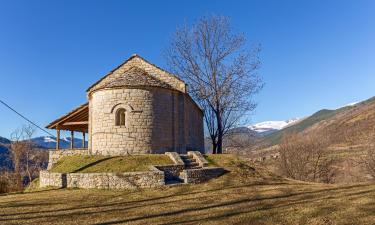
<point x="220" y="71"/>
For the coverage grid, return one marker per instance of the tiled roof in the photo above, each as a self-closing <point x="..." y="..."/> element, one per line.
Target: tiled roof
<point x="126" y="61"/>
<point x="136" y="77"/>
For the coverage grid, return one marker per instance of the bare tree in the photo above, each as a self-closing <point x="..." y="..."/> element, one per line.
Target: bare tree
<point x="28" y="132"/>
<point x="365" y="139"/>
<point x="239" y="140"/>
<point x="306" y="158"/>
<point x="17" y="148"/>
<point x="220" y="72"/>
<point x="27" y="160"/>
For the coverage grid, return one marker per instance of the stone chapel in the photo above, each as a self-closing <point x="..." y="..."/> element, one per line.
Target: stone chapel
<point x="137" y="108"/>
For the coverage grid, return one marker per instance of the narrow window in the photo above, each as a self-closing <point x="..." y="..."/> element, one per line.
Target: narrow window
<point x="120" y="117"/>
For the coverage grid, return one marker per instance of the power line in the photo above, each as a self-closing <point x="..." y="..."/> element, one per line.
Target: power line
<point x="25" y="118"/>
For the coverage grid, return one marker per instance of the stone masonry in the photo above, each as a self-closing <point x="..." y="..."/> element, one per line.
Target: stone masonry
<point x="158" y="175"/>
<point x="131" y="180"/>
<point x="196" y="176"/>
<point x="158" y="119"/>
<point x="55" y="155"/>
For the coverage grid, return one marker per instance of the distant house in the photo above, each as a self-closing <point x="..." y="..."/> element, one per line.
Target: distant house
<point x="137" y="108"/>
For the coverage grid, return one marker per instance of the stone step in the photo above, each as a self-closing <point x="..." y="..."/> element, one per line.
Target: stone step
<point x="191" y="164"/>
<point x="176" y="180"/>
<point x="189" y="161"/>
<point x="187" y="158"/>
<point x="193" y="168"/>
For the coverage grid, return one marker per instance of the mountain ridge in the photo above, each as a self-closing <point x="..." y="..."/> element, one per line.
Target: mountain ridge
<point x="334" y="122"/>
<point x="268" y="127"/>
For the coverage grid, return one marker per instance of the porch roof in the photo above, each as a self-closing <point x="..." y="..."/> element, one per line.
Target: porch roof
<point x="76" y="120"/>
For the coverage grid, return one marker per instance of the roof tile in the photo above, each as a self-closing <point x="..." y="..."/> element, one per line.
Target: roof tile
<point x="135" y="76"/>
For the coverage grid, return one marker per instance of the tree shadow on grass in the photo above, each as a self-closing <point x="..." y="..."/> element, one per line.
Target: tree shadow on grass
<point x="320" y="212"/>
<point x="26" y="193"/>
<point x="305" y="197"/>
<point x="283" y="200"/>
<point x="93" y="164"/>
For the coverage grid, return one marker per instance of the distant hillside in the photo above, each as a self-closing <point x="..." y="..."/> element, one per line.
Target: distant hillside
<point x="43" y="142"/>
<point x="50" y="142"/>
<point x="338" y="123"/>
<point x="5" y="161"/>
<point x="236" y="137"/>
<point x="321" y="115"/>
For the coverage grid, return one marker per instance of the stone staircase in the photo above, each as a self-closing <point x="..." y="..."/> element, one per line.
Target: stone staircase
<point x="190" y="162"/>
<point x="190" y="168"/>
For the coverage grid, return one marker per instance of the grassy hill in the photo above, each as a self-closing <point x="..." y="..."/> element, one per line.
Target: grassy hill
<point x="346" y="121"/>
<point x="105" y="164"/>
<point x="248" y="194"/>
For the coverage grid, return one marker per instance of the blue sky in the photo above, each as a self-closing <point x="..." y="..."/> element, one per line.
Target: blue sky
<point x="316" y="54"/>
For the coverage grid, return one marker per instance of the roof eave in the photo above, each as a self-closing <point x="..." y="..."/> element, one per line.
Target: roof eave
<point x="55" y="123"/>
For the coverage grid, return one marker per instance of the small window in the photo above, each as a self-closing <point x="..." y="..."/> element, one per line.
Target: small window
<point x="120" y="117"/>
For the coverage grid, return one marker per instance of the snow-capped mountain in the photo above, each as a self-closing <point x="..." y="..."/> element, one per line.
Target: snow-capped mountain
<point x="351" y="104"/>
<point x="348" y="105"/>
<point x="50" y="142"/>
<point x="268" y="127"/>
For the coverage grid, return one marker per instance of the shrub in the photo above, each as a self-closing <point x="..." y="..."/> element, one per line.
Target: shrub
<point x="306" y="158"/>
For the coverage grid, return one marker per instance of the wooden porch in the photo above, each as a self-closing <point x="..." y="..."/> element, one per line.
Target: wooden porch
<point x="75" y="121"/>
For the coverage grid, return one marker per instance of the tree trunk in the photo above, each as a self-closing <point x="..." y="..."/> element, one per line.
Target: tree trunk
<point x="27" y="167"/>
<point x="220" y="134"/>
<point x="214" y="145"/>
<point x="220" y="143"/>
<point x="18" y="176"/>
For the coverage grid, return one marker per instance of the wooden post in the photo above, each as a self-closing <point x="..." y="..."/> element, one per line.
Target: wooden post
<point x="58" y="139"/>
<point x="72" y="139"/>
<point x="83" y="140"/>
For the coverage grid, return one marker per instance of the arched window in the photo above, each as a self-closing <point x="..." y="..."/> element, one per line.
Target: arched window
<point x="120" y="117"/>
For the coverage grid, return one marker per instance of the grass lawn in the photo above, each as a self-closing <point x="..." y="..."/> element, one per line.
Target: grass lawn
<point x="247" y="195"/>
<point x="94" y="164"/>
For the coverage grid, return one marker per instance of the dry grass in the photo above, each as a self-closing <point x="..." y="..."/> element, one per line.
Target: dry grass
<point x="95" y="164"/>
<point x="244" y="196"/>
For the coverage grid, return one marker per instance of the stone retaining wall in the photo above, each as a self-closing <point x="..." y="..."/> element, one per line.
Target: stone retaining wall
<point x="195" y="176"/>
<point x="131" y="180"/>
<point x="171" y="171"/>
<point x="199" y="158"/>
<point x="55" y="155"/>
<point x="175" y="157"/>
<point x="48" y="179"/>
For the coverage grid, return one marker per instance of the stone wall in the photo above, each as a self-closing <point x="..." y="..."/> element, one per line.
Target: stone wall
<point x="194" y="127"/>
<point x="108" y="139"/>
<point x="131" y="180"/>
<point x="48" y="179"/>
<point x="55" y="155"/>
<point x="157" y="120"/>
<point x="175" y="157"/>
<point x="195" y="176"/>
<point x="199" y="158"/>
<point x="171" y="172"/>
